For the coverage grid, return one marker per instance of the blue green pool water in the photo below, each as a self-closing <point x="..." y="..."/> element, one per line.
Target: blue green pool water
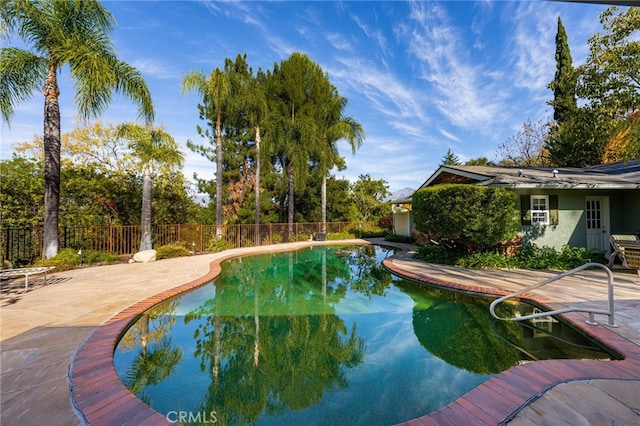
<point x="320" y="336"/>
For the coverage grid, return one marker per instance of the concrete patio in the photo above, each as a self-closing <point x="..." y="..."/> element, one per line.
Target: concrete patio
<point x="42" y="329"/>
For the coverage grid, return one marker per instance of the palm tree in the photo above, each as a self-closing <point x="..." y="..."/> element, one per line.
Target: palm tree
<point x="63" y="32"/>
<point x="152" y="365"/>
<point x="335" y="127"/>
<point x="215" y="92"/>
<point x="257" y="111"/>
<point x="156" y="149"/>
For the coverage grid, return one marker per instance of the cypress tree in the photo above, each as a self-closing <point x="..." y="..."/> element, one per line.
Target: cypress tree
<point x="564" y="82"/>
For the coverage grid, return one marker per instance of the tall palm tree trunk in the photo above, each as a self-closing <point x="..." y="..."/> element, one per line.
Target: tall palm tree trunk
<point x="51" y="164"/>
<point x="323" y="194"/>
<point x="145" y="220"/>
<point x="257" y="189"/>
<point x="290" y="172"/>
<point x="219" y="176"/>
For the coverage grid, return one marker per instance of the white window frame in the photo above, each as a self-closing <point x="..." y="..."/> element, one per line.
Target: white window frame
<point x="539" y="216"/>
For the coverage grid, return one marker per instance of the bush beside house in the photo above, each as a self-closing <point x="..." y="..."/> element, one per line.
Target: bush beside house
<point x="466" y="217"/>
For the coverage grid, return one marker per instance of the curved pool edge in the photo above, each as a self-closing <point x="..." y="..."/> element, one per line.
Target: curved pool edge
<point x="499" y="399"/>
<point x="97" y="394"/>
<point x="100" y="398"/>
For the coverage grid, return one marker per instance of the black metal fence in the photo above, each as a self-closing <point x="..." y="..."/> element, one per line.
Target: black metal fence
<point x="22" y="246"/>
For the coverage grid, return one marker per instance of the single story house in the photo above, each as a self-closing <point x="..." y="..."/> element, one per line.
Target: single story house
<point x="580" y="207"/>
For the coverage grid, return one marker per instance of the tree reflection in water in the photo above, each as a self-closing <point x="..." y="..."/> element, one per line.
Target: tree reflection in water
<point x="325" y="333"/>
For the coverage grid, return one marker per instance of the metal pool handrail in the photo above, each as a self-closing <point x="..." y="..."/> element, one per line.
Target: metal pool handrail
<point x="592" y="312"/>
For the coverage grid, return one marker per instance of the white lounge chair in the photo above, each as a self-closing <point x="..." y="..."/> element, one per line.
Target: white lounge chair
<point x="26" y="273"/>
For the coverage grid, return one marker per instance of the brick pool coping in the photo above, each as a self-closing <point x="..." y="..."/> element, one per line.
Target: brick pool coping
<point x="500" y="398"/>
<point x="100" y="398"/>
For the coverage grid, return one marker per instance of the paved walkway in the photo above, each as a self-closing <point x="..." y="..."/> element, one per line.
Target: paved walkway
<point x="41" y="330"/>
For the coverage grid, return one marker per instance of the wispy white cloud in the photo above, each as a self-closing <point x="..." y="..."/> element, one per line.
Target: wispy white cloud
<point x="448" y="135"/>
<point x="155" y="68"/>
<point x="374" y="34"/>
<point x="253" y="15"/>
<point x="339" y="42"/>
<point x="385" y="91"/>
<point x="464" y="92"/>
<point x="533" y="44"/>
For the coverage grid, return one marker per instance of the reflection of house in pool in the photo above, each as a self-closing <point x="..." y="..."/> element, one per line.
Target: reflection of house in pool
<point x="456" y="328"/>
<point x="580" y="207"/>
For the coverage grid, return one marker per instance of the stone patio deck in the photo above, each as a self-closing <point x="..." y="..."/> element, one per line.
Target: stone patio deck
<point x="42" y="329"/>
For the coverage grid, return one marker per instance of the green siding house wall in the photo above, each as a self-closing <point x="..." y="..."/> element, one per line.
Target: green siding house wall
<point x="579" y="207"/>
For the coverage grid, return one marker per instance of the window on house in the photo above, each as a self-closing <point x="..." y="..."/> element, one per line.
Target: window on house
<point x="539" y="209"/>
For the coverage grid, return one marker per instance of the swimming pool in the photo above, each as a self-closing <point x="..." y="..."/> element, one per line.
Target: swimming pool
<point x="320" y="336"/>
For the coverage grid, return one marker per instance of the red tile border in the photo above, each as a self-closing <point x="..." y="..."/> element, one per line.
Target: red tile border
<point x="525" y="383"/>
<point x="100" y="398"/>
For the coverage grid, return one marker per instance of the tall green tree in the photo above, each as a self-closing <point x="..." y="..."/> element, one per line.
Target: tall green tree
<point x="335" y="126"/>
<point x="215" y="91"/>
<point x="368" y="195"/>
<point x="564" y="81"/>
<point x="450" y="159"/>
<point x="610" y="77"/>
<point x="608" y="90"/>
<point x="63" y="32"/>
<point x="155" y="149"/>
<point x="21" y="191"/>
<point x="293" y="135"/>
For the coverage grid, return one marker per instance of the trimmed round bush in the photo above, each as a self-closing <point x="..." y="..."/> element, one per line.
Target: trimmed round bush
<point x="470" y="216"/>
<point x="171" y="250"/>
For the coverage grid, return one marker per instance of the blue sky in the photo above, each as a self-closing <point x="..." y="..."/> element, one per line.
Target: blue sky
<point x="421" y="77"/>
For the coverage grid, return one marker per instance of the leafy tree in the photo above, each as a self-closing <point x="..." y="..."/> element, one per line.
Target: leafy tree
<point x="624" y="142"/>
<point x="450" y="159"/>
<point x="64" y="32"/>
<point x="527" y="148"/>
<point x="608" y="85"/>
<point x="564" y="81"/>
<point x="368" y="195"/>
<point x="155" y="149"/>
<point x="580" y="141"/>
<point x="296" y="87"/>
<point x="215" y="92"/>
<point x="337" y="209"/>
<point x="472" y="217"/>
<point x="480" y="161"/>
<point x="610" y="78"/>
<point x="21" y="191"/>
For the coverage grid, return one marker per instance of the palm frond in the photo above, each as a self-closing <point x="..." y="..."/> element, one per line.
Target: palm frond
<point x="21" y="73"/>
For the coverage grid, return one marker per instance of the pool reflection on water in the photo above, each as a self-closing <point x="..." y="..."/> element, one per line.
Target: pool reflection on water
<point x="324" y="335"/>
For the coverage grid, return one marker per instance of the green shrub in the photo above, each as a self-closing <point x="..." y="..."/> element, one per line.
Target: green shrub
<point x="549" y="258"/>
<point x="101" y="257"/>
<point x="66" y="259"/>
<point x="339" y="236"/>
<point x="69" y="258"/>
<point x="389" y="236"/>
<point x="438" y="253"/>
<point x="486" y="260"/>
<point x="218" y="244"/>
<point x="367" y="233"/>
<point x="529" y="257"/>
<point x="171" y="250"/>
<point x="471" y="216"/>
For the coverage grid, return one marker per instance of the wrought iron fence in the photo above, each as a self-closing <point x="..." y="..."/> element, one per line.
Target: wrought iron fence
<point x="23" y="246"/>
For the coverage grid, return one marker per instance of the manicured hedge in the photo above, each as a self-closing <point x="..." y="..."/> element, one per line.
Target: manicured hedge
<point x="466" y="216"/>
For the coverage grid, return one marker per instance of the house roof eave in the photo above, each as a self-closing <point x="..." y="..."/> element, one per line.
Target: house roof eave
<point x="454" y="171"/>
